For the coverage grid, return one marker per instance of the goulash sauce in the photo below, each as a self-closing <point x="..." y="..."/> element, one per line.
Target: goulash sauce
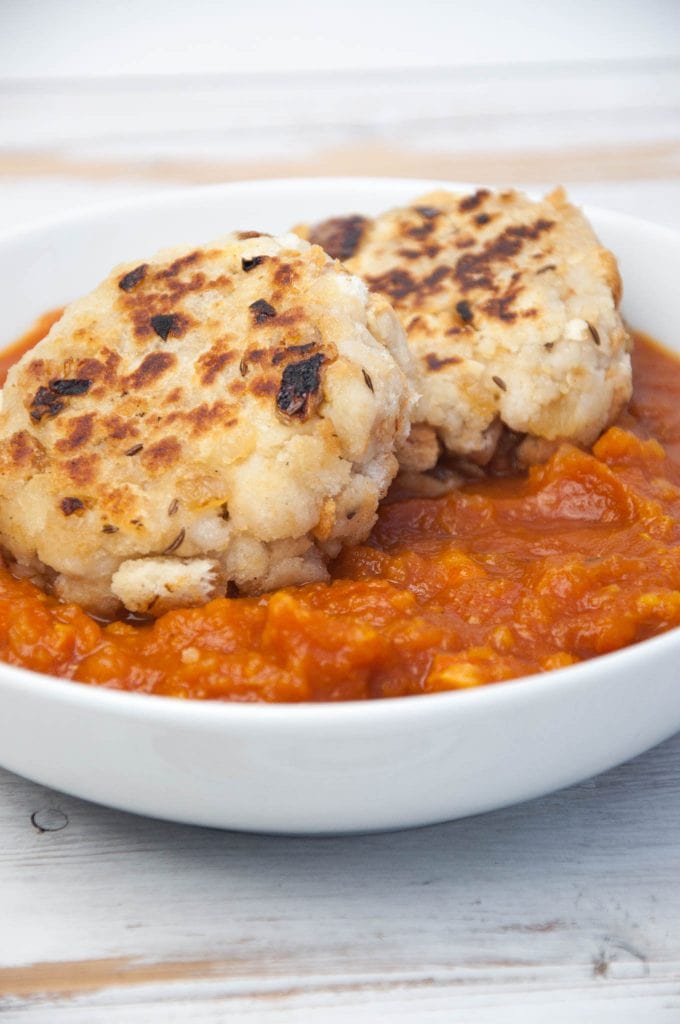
<point x="503" y="578"/>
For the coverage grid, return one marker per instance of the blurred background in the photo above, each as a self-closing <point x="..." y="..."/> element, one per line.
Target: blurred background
<point x="101" y="100"/>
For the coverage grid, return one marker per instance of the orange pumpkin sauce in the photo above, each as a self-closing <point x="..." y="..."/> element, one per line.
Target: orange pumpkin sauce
<point x="500" y="579"/>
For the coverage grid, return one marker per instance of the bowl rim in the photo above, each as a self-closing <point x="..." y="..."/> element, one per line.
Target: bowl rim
<point x="260" y="714"/>
<point x="534" y="688"/>
<point x="147" y="199"/>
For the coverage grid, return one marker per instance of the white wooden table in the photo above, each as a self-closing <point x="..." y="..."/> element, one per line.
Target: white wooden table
<point x="565" y="909"/>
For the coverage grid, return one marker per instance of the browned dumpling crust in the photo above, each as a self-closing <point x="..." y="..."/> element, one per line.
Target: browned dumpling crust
<point x="510" y="309"/>
<point x="212" y="419"/>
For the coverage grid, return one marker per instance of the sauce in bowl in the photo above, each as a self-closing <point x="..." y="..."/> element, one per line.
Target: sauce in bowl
<point x="502" y="578"/>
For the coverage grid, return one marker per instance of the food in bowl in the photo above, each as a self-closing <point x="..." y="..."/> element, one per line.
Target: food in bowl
<point x="510" y="305"/>
<point x="214" y="417"/>
<point x="506" y="576"/>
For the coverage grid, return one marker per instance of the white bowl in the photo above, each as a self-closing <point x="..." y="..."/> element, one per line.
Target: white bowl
<point x="327" y="768"/>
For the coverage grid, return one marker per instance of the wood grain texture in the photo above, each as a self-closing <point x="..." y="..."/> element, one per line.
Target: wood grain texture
<point x="660" y="161"/>
<point x="581" y="121"/>
<point x="573" y="896"/>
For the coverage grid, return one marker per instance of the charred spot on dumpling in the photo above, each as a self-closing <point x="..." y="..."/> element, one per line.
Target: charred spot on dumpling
<point x="429" y="212"/>
<point x="340" y="237"/>
<point x="102" y="369"/>
<point x="162" y="455"/>
<point x="133" y="277"/>
<point x="78" y="431"/>
<point x="283" y="354"/>
<point x="168" y="272"/>
<point x="480" y="269"/>
<point x="48" y="401"/>
<point x="214" y="361"/>
<point x="163" y="324"/>
<point x="150" y="369"/>
<point x="70" y="386"/>
<point x="82" y="470"/>
<point x="26" y="451"/>
<point x="464" y="311"/>
<point x="435" y="362"/>
<point x="45" y="403"/>
<point x="298" y="394"/>
<point x="432" y="281"/>
<point x="263" y="387"/>
<point x="474" y="200"/>
<point x="71" y="506"/>
<point x="285" y="275"/>
<point x="249" y="263"/>
<point x="395" y="283"/>
<point x="262" y="311"/>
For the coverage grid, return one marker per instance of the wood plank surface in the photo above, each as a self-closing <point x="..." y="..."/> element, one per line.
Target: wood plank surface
<point x="642" y="162"/>
<point x="572" y="897"/>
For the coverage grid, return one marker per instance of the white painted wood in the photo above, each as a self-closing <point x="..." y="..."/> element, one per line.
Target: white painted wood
<point x="157" y="37"/>
<point x="573" y="897"/>
<point x="258" y="115"/>
<point x="565" y="909"/>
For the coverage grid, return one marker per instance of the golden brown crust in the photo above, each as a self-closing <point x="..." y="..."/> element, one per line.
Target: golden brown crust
<point x="197" y="378"/>
<point x="205" y="404"/>
<point x="509" y="306"/>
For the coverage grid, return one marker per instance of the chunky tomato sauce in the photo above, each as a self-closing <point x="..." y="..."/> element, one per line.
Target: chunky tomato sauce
<point x="500" y="579"/>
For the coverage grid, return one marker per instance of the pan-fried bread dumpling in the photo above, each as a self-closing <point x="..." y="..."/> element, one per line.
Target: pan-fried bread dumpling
<point x="510" y="309"/>
<point x="213" y="416"/>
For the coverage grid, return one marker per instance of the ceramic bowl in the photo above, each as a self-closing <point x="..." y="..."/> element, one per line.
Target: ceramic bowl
<point x="328" y="768"/>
